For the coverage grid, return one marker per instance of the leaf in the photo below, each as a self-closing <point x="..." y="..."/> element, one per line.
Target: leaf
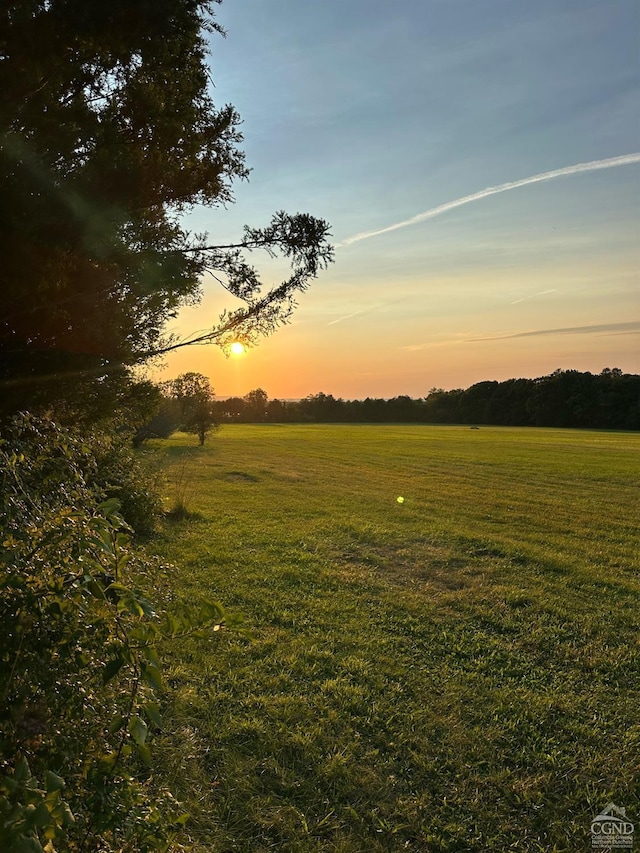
<point x="53" y="782"/>
<point x="212" y="610"/>
<point x="102" y="542"/>
<point x="22" y="772"/>
<point x="146" y="605"/>
<point x="111" y="669"/>
<point x="144" y="752"/>
<point x="8" y="785"/>
<point x="138" y="730"/>
<point x="173" y="624"/>
<point x="40" y="817"/>
<point x="116" y="724"/>
<point x="152" y="656"/>
<point x="152" y="676"/>
<point x="109" y="507"/>
<point x="94" y="588"/>
<point x="153" y="713"/>
<point x="22" y="844"/>
<point x="142" y="632"/>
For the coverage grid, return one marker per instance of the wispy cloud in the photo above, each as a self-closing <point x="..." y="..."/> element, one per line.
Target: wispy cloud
<point x="603" y="328"/>
<point x="349" y="316"/>
<point x="445" y="341"/>
<point x="591" y="166"/>
<point x="368" y="310"/>
<point x="533" y="296"/>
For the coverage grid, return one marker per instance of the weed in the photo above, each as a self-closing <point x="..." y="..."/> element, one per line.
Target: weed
<point x="182" y="486"/>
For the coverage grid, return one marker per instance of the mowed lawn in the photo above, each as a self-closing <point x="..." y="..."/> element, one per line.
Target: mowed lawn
<point x="456" y="672"/>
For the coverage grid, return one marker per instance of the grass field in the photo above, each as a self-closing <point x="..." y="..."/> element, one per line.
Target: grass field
<point x="457" y="672"/>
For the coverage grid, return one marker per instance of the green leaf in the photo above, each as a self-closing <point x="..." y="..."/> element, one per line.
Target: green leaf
<point x="212" y="610"/>
<point x="153" y="713"/>
<point x="22" y="844"/>
<point x="22" y="772"/>
<point x="144" y="752"/>
<point x="109" y="507"/>
<point x="53" y="782"/>
<point x="116" y="724"/>
<point x="96" y="590"/>
<point x="138" y="729"/>
<point x="173" y="624"/>
<point x="8" y="785"/>
<point x="111" y="669"/>
<point x="146" y="605"/>
<point x="152" y="656"/>
<point x="142" y="632"/>
<point x="152" y="676"/>
<point x="103" y="543"/>
<point x="40" y="817"/>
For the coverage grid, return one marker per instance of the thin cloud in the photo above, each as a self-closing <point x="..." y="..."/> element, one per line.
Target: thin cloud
<point x="431" y="344"/>
<point x="349" y="316"/>
<point x="591" y="166"/>
<point x="534" y="295"/>
<point x="367" y="310"/>
<point x="603" y="328"/>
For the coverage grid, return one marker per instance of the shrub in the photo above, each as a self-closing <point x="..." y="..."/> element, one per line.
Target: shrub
<point x="79" y="672"/>
<point x="130" y="478"/>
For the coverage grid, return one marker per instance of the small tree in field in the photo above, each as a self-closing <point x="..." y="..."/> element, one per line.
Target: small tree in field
<point x="194" y="396"/>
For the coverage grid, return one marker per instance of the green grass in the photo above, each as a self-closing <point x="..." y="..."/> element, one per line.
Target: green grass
<point x="459" y="672"/>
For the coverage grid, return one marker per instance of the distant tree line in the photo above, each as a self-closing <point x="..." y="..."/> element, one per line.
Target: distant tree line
<point x="565" y="398"/>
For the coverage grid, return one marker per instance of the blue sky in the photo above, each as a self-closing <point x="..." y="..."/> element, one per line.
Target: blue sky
<point x="367" y="114"/>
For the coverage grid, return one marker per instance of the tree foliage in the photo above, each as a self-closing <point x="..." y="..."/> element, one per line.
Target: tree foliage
<point x="193" y="396"/>
<point x="80" y="677"/>
<point x="108" y="134"/>
<point x="257" y="401"/>
<point x="565" y="398"/>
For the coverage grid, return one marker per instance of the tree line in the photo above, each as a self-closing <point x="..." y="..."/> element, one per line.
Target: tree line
<point x="564" y="398"/>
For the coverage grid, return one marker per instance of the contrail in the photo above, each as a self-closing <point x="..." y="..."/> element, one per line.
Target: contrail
<point x="606" y="328"/>
<point x="591" y="166"/>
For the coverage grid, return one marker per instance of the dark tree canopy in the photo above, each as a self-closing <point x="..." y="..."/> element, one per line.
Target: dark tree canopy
<point x="565" y="398"/>
<point x="194" y="397"/>
<point x="108" y="134"/>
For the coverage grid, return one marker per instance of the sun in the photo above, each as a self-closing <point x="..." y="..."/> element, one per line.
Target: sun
<point x="237" y="348"/>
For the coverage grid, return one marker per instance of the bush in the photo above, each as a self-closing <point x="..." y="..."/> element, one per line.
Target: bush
<point x="162" y="424"/>
<point x="79" y="672"/>
<point x="129" y="478"/>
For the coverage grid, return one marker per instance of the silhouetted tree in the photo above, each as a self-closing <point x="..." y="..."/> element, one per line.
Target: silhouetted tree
<point x="257" y="404"/>
<point x="564" y="398"/>
<point x="194" y="396"/>
<point x="108" y="133"/>
<point x="276" y="411"/>
<point x="162" y="424"/>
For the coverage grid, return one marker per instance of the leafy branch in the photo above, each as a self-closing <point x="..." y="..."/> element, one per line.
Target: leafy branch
<point x="81" y="644"/>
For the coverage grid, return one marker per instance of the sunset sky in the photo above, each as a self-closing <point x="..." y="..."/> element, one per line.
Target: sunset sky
<point x="369" y="114"/>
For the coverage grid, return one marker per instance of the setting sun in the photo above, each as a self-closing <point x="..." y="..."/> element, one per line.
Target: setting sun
<point x="237" y="348"/>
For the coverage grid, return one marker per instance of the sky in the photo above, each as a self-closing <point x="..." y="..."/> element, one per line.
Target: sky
<point x="376" y="117"/>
